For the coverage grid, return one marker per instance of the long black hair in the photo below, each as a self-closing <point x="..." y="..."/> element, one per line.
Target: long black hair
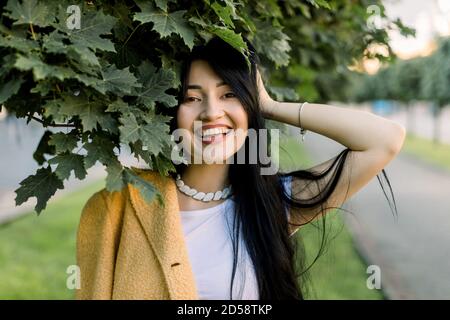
<point x="261" y="201"/>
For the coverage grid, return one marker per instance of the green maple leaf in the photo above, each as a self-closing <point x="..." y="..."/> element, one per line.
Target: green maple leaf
<point x="162" y="4"/>
<point x="42" y="87"/>
<point x="19" y="43"/>
<point x="10" y="88"/>
<point x="83" y="53"/>
<point x="51" y="109"/>
<point x="166" y="23"/>
<point x="320" y="3"/>
<point x="114" y="179"/>
<point x="63" y="142"/>
<point x="54" y="43"/>
<point x="42" y="70"/>
<point x="29" y="12"/>
<point x="42" y="185"/>
<point x="232" y="38"/>
<point x="283" y="93"/>
<point x="6" y="64"/>
<point x="90" y="112"/>
<point x="66" y="163"/>
<point x="117" y="106"/>
<point x="273" y="43"/>
<point x="117" y="81"/>
<point x="152" y="134"/>
<point x="163" y="164"/>
<point x="101" y="148"/>
<point x="93" y="25"/>
<point x="198" y="20"/>
<point x="123" y="107"/>
<point x="139" y="151"/>
<point x="175" y="66"/>
<point x="154" y="85"/>
<point x="92" y="82"/>
<point x="147" y="190"/>
<point x="225" y="13"/>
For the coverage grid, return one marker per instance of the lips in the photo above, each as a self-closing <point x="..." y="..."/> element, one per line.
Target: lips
<point x="215" y="138"/>
<point x="209" y="126"/>
<point x="199" y="132"/>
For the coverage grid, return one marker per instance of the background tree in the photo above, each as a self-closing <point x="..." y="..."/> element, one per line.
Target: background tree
<point x="435" y="82"/>
<point x="326" y="42"/>
<point x="406" y="85"/>
<point x="405" y="81"/>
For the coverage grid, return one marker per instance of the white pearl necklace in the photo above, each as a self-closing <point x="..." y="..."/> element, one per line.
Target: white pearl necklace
<point x="202" y="196"/>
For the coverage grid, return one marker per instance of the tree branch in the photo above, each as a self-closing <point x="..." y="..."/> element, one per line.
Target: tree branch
<point x="54" y="125"/>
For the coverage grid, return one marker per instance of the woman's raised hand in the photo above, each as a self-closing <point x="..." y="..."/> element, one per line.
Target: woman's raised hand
<point x="266" y="101"/>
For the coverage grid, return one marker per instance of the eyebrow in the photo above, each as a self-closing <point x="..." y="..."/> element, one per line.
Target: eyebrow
<point x="196" y="86"/>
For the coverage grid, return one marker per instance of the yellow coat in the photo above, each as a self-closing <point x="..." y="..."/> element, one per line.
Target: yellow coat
<point x="130" y="249"/>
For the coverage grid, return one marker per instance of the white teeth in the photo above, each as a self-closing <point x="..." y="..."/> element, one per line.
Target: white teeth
<point x="215" y="131"/>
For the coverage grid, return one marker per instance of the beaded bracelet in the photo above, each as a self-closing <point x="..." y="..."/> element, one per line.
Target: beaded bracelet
<point x="302" y="131"/>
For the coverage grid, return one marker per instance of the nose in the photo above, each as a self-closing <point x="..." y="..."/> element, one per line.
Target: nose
<point x="212" y="110"/>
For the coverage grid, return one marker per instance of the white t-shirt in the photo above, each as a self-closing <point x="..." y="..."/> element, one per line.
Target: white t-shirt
<point x="207" y="233"/>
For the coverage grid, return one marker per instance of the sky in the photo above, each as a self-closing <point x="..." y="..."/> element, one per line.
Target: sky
<point x="428" y="17"/>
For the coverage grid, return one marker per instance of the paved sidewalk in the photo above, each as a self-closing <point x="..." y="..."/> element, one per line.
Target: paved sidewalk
<point x="413" y="253"/>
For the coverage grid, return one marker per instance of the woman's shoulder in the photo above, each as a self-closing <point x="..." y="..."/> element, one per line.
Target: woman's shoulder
<point x="115" y="200"/>
<point x="154" y="177"/>
<point x="104" y="202"/>
<point x="149" y="174"/>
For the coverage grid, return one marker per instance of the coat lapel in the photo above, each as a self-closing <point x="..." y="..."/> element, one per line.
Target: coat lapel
<point x="163" y="229"/>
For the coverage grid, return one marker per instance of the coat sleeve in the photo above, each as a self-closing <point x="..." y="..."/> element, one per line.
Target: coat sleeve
<point x="96" y="247"/>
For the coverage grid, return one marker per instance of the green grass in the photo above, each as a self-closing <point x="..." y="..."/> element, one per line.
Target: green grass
<point x="339" y="273"/>
<point x="35" y="251"/>
<point x="434" y="153"/>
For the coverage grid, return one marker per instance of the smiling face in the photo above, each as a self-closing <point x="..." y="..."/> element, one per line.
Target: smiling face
<point x="211" y="114"/>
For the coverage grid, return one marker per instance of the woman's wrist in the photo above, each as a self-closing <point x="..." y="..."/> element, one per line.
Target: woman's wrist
<point x="268" y="109"/>
<point x="286" y="112"/>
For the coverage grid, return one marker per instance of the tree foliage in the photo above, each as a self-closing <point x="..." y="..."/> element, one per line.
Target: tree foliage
<point x="421" y="78"/>
<point x="109" y="82"/>
<point x="436" y="76"/>
<point x="418" y="79"/>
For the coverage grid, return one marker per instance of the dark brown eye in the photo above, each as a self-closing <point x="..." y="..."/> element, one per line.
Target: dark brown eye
<point x="233" y="95"/>
<point x="190" y="99"/>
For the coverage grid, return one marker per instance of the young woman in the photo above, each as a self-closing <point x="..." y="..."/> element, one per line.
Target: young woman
<point x="225" y="231"/>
